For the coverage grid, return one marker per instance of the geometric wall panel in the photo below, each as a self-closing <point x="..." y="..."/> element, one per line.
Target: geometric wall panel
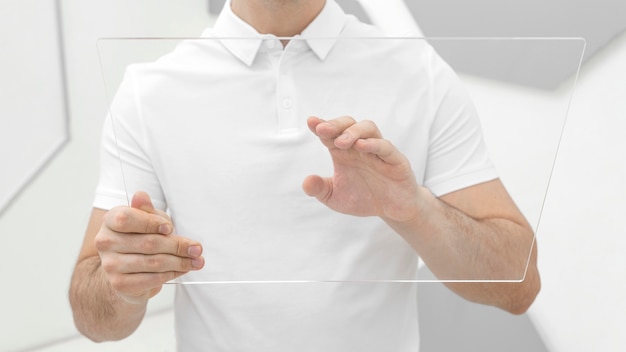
<point x="597" y="21"/>
<point x="34" y="122"/>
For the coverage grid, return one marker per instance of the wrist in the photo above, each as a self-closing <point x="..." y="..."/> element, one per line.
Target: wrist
<point x="416" y="212"/>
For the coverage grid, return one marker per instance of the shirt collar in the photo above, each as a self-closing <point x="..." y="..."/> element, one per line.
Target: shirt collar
<point x="327" y="25"/>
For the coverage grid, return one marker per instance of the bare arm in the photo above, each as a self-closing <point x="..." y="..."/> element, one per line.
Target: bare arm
<point x="473" y="234"/>
<point x="99" y="313"/>
<point x="127" y="255"/>
<point x="477" y="233"/>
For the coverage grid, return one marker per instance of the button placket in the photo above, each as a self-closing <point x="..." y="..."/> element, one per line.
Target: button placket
<point x="286" y="103"/>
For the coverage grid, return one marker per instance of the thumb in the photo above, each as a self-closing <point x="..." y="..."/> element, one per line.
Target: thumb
<point x="141" y="200"/>
<point x="318" y="187"/>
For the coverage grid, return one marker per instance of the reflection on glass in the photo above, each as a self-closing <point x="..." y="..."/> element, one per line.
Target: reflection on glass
<point x="215" y="130"/>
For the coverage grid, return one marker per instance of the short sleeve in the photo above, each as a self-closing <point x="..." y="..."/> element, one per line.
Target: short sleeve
<point x="125" y="167"/>
<point x="457" y="155"/>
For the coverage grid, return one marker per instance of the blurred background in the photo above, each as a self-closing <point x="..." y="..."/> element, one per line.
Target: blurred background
<point x="53" y="104"/>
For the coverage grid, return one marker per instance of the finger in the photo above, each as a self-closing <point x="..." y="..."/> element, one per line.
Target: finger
<point x="382" y="148"/>
<point x="148" y="244"/>
<point x="136" y="285"/>
<point x="312" y="123"/>
<point x="318" y="187"/>
<point x="327" y="131"/>
<point x="157" y="244"/>
<point x="141" y="200"/>
<point x="360" y="130"/>
<point x="132" y="220"/>
<point x="331" y="129"/>
<point x="155" y="263"/>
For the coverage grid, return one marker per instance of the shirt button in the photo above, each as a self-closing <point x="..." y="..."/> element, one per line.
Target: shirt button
<point x="270" y="44"/>
<point x="287" y="103"/>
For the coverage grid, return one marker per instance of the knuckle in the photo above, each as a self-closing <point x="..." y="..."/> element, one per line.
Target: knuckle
<point x="118" y="283"/>
<point x="369" y="125"/>
<point x="149" y="245"/>
<point x="109" y="265"/>
<point x="103" y="242"/>
<point x="119" y="219"/>
<point x="149" y="225"/>
<point x="153" y="223"/>
<point x="184" y="264"/>
<point x="180" y="248"/>
<point x="349" y="118"/>
<point x="368" y="122"/>
<point x="152" y="263"/>
<point x="100" y="243"/>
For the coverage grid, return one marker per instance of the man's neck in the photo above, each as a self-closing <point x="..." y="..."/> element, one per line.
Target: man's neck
<point x="282" y="18"/>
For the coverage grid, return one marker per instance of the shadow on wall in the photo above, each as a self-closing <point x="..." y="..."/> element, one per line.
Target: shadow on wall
<point x="450" y="323"/>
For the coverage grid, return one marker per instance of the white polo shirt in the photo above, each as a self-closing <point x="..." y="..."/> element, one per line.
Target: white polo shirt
<point x="216" y="132"/>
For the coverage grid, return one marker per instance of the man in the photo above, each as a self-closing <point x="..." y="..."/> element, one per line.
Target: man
<point x="221" y="151"/>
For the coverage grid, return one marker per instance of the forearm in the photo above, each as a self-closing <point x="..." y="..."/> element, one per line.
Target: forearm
<point x="99" y="313"/>
<point x="458" y="247"/>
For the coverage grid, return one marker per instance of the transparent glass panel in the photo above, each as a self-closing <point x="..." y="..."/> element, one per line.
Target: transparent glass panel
<point x="215" y="130"/>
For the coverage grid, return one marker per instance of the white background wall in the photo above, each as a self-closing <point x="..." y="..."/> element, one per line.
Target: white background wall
<point x="582" y="235"/>
<point x="582" y="238"/>
<point x="582" y="306"/>
<point x="32" y="80"/>
<point x="42" y="230"/>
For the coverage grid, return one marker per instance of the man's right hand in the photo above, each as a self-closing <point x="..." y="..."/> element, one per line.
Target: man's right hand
<point x="139" y="251"/>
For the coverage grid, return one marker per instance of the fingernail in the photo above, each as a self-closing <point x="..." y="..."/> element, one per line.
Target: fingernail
<point x="165" y="229"/>
<point x="197" y="263"/>
<point x="194" y="251"/>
